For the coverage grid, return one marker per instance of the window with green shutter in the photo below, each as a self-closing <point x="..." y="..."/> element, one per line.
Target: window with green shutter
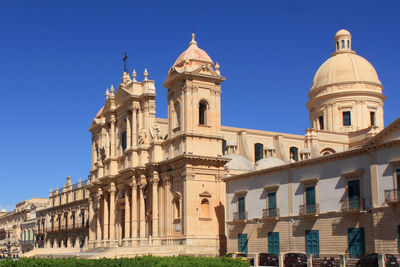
<point x="273" y="243"/>
<point x="272" y="204"/>
<point x="258" y="151"/>
<point x="310" y="200"/>
<point x="242" y="243"/>
<point x="356" y="242"/>
<point x="312" y="242"/>
<point x="242" y="208"/>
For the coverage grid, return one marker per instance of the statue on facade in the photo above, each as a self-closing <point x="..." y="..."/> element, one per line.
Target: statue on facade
<point x="142" y="138"/>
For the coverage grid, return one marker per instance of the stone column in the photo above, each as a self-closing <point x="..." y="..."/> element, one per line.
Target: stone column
<point x="142" y="217"/>
<point x="154" y="201"/>
<point x="134" y="207"/>
<point x="94" y="158"/>
<point x="98" y="235"/>
<point x="112" y="136"/>
<point x="105" y="216"/>
<point x="128" y="129"/>
<point x="134" y="125"/>
<point x="127" y="214"/>
<point x="112" y="211"/>
<point x="91" y="213"/>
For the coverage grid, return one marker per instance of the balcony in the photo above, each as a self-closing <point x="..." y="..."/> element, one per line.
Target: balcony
<point x="309" y="210"/>
<point x="272" y="213"/>
<point x="62" y="228"/>
<point x="240" y="216"/>
<point x="353" y="205"/>
<point x="392" y="197"/>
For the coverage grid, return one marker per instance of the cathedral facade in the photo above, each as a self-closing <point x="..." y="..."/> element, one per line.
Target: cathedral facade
<point x="164" y="186"/>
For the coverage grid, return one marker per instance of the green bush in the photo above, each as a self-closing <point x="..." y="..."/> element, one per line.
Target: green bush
<point x="143" y="261"/>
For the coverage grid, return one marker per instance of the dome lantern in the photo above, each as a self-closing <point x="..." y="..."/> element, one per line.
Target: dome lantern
<point x="342" y="41"/>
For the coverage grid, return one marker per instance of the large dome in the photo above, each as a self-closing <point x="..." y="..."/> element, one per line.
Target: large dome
<point x="344" y="68"/>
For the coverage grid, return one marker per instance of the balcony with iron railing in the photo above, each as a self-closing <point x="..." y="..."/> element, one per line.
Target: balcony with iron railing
<point x="67" y="228"/>
<point x="240" y="216"/>
<point x="392" y="197"/>
<point x="272" y="213"/>
<point x="309" y="209"/>
<point x="352" y="205"/>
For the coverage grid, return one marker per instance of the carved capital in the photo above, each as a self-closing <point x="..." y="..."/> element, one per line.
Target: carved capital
<point x="187" y="175"/>
<point x="112" y="188"/>
<point x="166" y="179"/>
<point x="215" y="91"/>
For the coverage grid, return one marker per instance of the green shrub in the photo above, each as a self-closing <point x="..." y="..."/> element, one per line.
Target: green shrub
<point x="143" y="261"/>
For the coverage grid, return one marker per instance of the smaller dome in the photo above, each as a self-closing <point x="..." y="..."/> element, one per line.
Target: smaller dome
<point x="267" y="163"/>
<point x="342" y="32"/>
<point x="3" y="210"/>
<point x="238" y="162"/>
<point x="194" y="55"/>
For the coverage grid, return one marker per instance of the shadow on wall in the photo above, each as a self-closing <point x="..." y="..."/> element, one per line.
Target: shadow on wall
<point x="220" y="214"/>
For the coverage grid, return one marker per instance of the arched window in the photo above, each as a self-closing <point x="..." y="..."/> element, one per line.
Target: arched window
<point x="203" y="113"/>
<point x="327" y="151"/>
<point x="348" y="44"/>
<point x="294" y="153"/>
<point x="258" y="151"/>
<point x="205" y="208"/>
<point x="223" y="146"/>
<point x="337" y="45"/>
<point x="343" y="44"/>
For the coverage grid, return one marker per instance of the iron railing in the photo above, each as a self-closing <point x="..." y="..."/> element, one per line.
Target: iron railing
<point x="270" y="213"/>
<point x="240" y="216"/>
<point x="309" y="209"/>
<point x="356" y="204"/>
<point x="392" y="195"/>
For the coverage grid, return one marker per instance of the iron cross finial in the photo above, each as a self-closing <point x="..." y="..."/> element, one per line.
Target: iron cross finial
<point x="125" y="60"/>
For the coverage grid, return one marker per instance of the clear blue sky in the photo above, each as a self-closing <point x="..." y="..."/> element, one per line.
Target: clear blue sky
<point x="58" y="57"/>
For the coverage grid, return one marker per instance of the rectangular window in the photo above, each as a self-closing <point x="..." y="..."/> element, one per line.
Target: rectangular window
<point x="123" y="140"/>
<point x="242" y="243"/>
<point x="372" y="116"/>
<point x="356" y="242"/>
<point x="321" y="122"/>
<point x="272" y="204"/>
<point x="312" y="242"/>
<point x="273" y="243"/>
<point x="354" y="194"/>
<point x="310" y="200"/>
<point x="242" y="208"/>
<point x="346" y="118"/>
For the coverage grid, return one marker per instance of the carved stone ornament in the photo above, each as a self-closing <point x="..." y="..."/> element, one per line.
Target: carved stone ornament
<point x="155" y="131"/>
<point x="166" y="179"/>
<point x="142" y="138"/>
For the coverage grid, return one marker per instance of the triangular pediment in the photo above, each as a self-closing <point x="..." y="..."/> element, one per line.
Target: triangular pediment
<point x="206" y="69"/>
<point x="205" y="193"/>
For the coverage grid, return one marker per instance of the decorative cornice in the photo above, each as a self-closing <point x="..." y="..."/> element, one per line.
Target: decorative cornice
<point x="353" y="174"/>
<point x="309" y="181"/>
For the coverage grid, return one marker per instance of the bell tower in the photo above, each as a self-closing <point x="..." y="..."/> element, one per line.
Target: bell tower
<point x="194" y="104"/>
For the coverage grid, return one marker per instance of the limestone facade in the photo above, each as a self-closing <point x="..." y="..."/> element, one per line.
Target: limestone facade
<point x="157" y="183"/>
<point x="64" y="223"/>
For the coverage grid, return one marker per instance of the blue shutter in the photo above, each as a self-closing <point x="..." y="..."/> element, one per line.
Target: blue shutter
<point x="310" y="199"/>
<point x="258" y="151"/>
<point x="312" y="242"/>
<point x="242" y="243"/>
<point x="272" y="204"/>
<point x="354" y="194"/>
<point x="356" y="239"/>
<point x="242" y="208"/>
<point x="273" y="243"/>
